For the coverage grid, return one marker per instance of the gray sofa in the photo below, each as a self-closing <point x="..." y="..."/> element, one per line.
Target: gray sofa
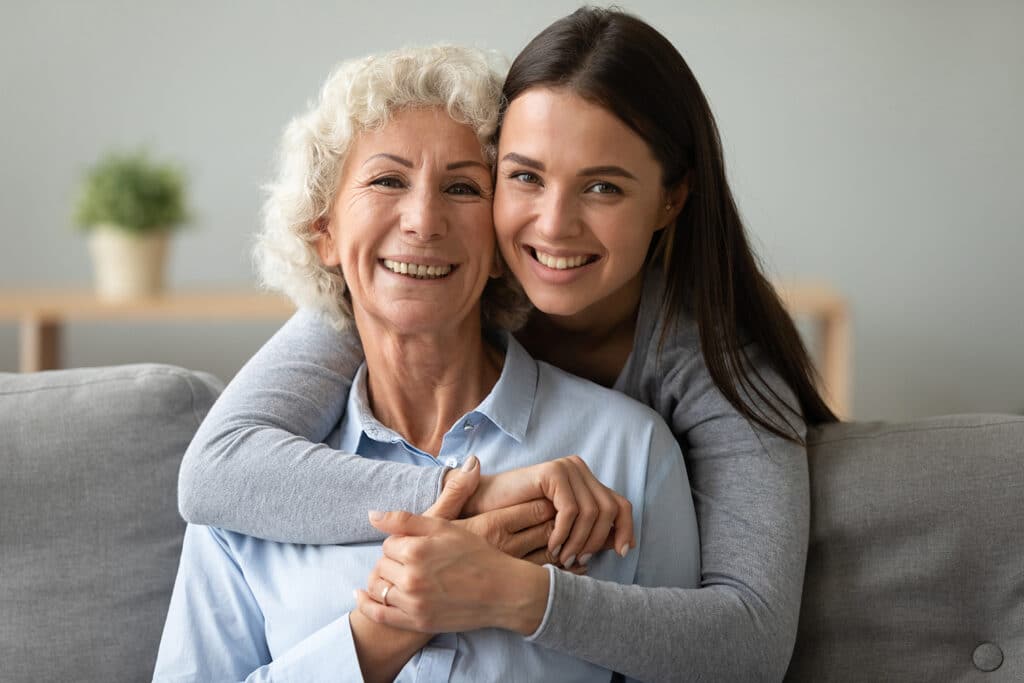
<point x="915" y="571"/>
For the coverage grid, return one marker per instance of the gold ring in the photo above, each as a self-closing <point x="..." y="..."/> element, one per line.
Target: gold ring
<point x="384" y="595"/>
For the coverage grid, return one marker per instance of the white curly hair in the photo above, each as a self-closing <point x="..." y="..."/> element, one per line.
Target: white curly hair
<point x="361" y="94"/>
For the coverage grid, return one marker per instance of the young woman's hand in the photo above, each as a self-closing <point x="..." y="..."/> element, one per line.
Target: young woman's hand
<point x="440" y="577"/>
<point x="587" y="513"/>
<point x="521" y="530"/>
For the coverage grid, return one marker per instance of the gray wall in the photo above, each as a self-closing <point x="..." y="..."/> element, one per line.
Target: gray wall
<point x="876" y="145"/>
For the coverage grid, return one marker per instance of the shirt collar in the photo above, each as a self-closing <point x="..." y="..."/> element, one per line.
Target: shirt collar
<point x="508" y="406"/>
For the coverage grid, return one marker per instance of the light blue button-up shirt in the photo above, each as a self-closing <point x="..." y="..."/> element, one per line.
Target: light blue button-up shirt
<point x="248" y="609"/>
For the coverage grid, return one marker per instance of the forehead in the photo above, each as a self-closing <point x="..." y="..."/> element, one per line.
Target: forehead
<point x="543" y="121"/>
<point x="418" y="134"/>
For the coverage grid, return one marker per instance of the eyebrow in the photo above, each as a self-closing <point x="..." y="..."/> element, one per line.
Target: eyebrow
<point x="590" y="170"/>
<point x="455" y="165"/>
<point x="607" y="171"/>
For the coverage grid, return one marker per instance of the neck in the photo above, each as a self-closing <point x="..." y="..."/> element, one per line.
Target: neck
<point x="593" y="343"/>
<point x="420" y="384"/>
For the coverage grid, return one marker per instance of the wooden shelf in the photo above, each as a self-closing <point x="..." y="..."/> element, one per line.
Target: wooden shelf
<point x="41" y="314"/>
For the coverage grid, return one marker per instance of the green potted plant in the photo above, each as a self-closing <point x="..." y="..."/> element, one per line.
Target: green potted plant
<point x="129" y="205"/>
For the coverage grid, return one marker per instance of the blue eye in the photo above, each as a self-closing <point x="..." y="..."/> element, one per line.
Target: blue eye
<point x="604" y="188"/>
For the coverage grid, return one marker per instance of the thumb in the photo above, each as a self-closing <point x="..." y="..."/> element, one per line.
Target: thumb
<point x="402" y="523"/>
<point x="459" y="485"/>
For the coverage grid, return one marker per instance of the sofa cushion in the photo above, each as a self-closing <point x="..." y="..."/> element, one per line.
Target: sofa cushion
<point x="916" y="562"/>
<point x="89" y="529"/>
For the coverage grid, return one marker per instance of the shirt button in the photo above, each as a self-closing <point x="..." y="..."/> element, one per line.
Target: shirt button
<point x="987" y="657"/>
<point x="451" y="462"/>
<point x="468" y="427"/>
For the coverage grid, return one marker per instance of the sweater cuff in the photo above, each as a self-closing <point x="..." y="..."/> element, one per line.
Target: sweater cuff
<point x="533" y="637"/>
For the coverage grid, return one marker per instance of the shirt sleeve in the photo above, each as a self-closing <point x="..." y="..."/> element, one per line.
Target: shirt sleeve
<point x="256" y="465"/>
<point x="751" y="494"/>
<point x="215" y="630"/>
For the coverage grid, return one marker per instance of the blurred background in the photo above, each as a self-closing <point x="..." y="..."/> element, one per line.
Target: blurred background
<point x="873" y="146"/>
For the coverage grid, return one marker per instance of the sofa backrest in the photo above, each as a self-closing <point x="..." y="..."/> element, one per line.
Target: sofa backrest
<point x="915" y="570"/>
<point x="89" y="530"/>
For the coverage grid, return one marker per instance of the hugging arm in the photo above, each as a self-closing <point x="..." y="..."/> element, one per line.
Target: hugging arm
<point x="751" y="494"/>
<point x="256" y="464"/>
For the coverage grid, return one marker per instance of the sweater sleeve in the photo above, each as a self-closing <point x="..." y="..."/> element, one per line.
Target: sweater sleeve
<point x="751" y="494"/>
<point x="256" y="464"/>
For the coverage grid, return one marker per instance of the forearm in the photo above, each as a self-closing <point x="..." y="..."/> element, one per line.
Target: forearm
<point x="256" y="465"/>
<point x="741" y="623"/>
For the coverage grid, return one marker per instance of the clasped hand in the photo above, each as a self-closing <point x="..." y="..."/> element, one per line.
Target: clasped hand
<point x="445" y="574"/>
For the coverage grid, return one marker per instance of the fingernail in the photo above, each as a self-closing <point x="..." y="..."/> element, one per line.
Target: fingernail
<point x="568" y="563"/>
<point x="554" y="553"/>
<point x="470" y="463"/>
<point x="375" y="515"/>
<point x="623" y="549"/>
<point x="586" y="558"/>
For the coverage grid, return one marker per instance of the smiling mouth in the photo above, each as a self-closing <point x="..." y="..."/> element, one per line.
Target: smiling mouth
<point x="562" y="262"/>
<point x="418" y="271"/>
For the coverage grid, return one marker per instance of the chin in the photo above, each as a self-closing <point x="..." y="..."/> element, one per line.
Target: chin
<point x="557" y="303"/>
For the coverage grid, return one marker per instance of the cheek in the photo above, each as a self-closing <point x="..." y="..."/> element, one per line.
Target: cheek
<point x="505" y="212"/>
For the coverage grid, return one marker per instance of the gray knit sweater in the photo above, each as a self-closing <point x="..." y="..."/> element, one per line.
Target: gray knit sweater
<point x="256" y="466"/>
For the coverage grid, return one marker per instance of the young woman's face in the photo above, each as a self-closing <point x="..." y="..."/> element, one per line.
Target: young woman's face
<point x="578" y="199"/>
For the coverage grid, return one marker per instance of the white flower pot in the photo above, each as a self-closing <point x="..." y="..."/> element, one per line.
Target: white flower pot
<point x="127" y="265"/>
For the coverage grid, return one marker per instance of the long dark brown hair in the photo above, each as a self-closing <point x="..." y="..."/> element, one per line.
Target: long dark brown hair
<point x="623" y="64"/>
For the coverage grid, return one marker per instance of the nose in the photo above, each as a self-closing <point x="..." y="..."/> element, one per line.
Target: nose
<point x="558" y="217"/>
<point x="423" y="216"/>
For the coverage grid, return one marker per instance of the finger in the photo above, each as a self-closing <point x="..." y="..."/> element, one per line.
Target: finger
<point x="459" y="485"/>
<point x="538" y="557"/>
<point x="623" y="531"/>
<point x="525" y="515"/>
<point x="390" y="571"/>
<point x="584" y="519"/>
<point x="374" y="611"/>
<point x="379" y="588"/>
<point x="557" y="488"/>
<point x="607" y="510"/>
<point x="529" y="540"/>
<point x="405" y="523"/>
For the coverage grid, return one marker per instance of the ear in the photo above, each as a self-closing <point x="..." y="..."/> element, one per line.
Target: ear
<point x="675" y="199"/>
<point x="325" y="242"/>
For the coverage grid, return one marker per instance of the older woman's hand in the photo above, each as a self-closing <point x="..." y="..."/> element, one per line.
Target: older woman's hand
<point x="440" y="577"/>
<point x="588" y="514"/>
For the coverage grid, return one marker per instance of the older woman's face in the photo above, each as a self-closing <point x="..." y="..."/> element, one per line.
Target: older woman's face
<point x="411" y="224"/>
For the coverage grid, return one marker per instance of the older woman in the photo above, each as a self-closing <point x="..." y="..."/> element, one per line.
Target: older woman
<point x="403" y="246"/>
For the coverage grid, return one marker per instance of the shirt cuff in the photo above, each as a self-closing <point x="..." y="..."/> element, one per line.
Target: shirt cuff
<point x="327" y="655"/>
<point x="547" y="609"/>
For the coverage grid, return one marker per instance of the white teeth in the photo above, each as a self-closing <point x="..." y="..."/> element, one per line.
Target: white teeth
<point x="416" y="270"/>
<point x="560" y="262"/>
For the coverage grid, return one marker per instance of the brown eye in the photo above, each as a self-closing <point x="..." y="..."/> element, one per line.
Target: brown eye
<point x="463" y="189"/>
<point x="525" y="177"/>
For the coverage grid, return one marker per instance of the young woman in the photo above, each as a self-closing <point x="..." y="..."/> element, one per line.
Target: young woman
<point x="612" y="209"/>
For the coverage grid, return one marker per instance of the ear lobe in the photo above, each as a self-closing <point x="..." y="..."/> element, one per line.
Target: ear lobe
<point x="325" y="243"/>
<point x="675" y="199"/>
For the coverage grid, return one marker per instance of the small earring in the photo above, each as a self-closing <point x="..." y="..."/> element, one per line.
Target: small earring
<point x="668" y="207"/>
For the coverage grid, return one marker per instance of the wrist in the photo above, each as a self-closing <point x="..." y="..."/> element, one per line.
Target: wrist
<point x="524" y="598"/>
